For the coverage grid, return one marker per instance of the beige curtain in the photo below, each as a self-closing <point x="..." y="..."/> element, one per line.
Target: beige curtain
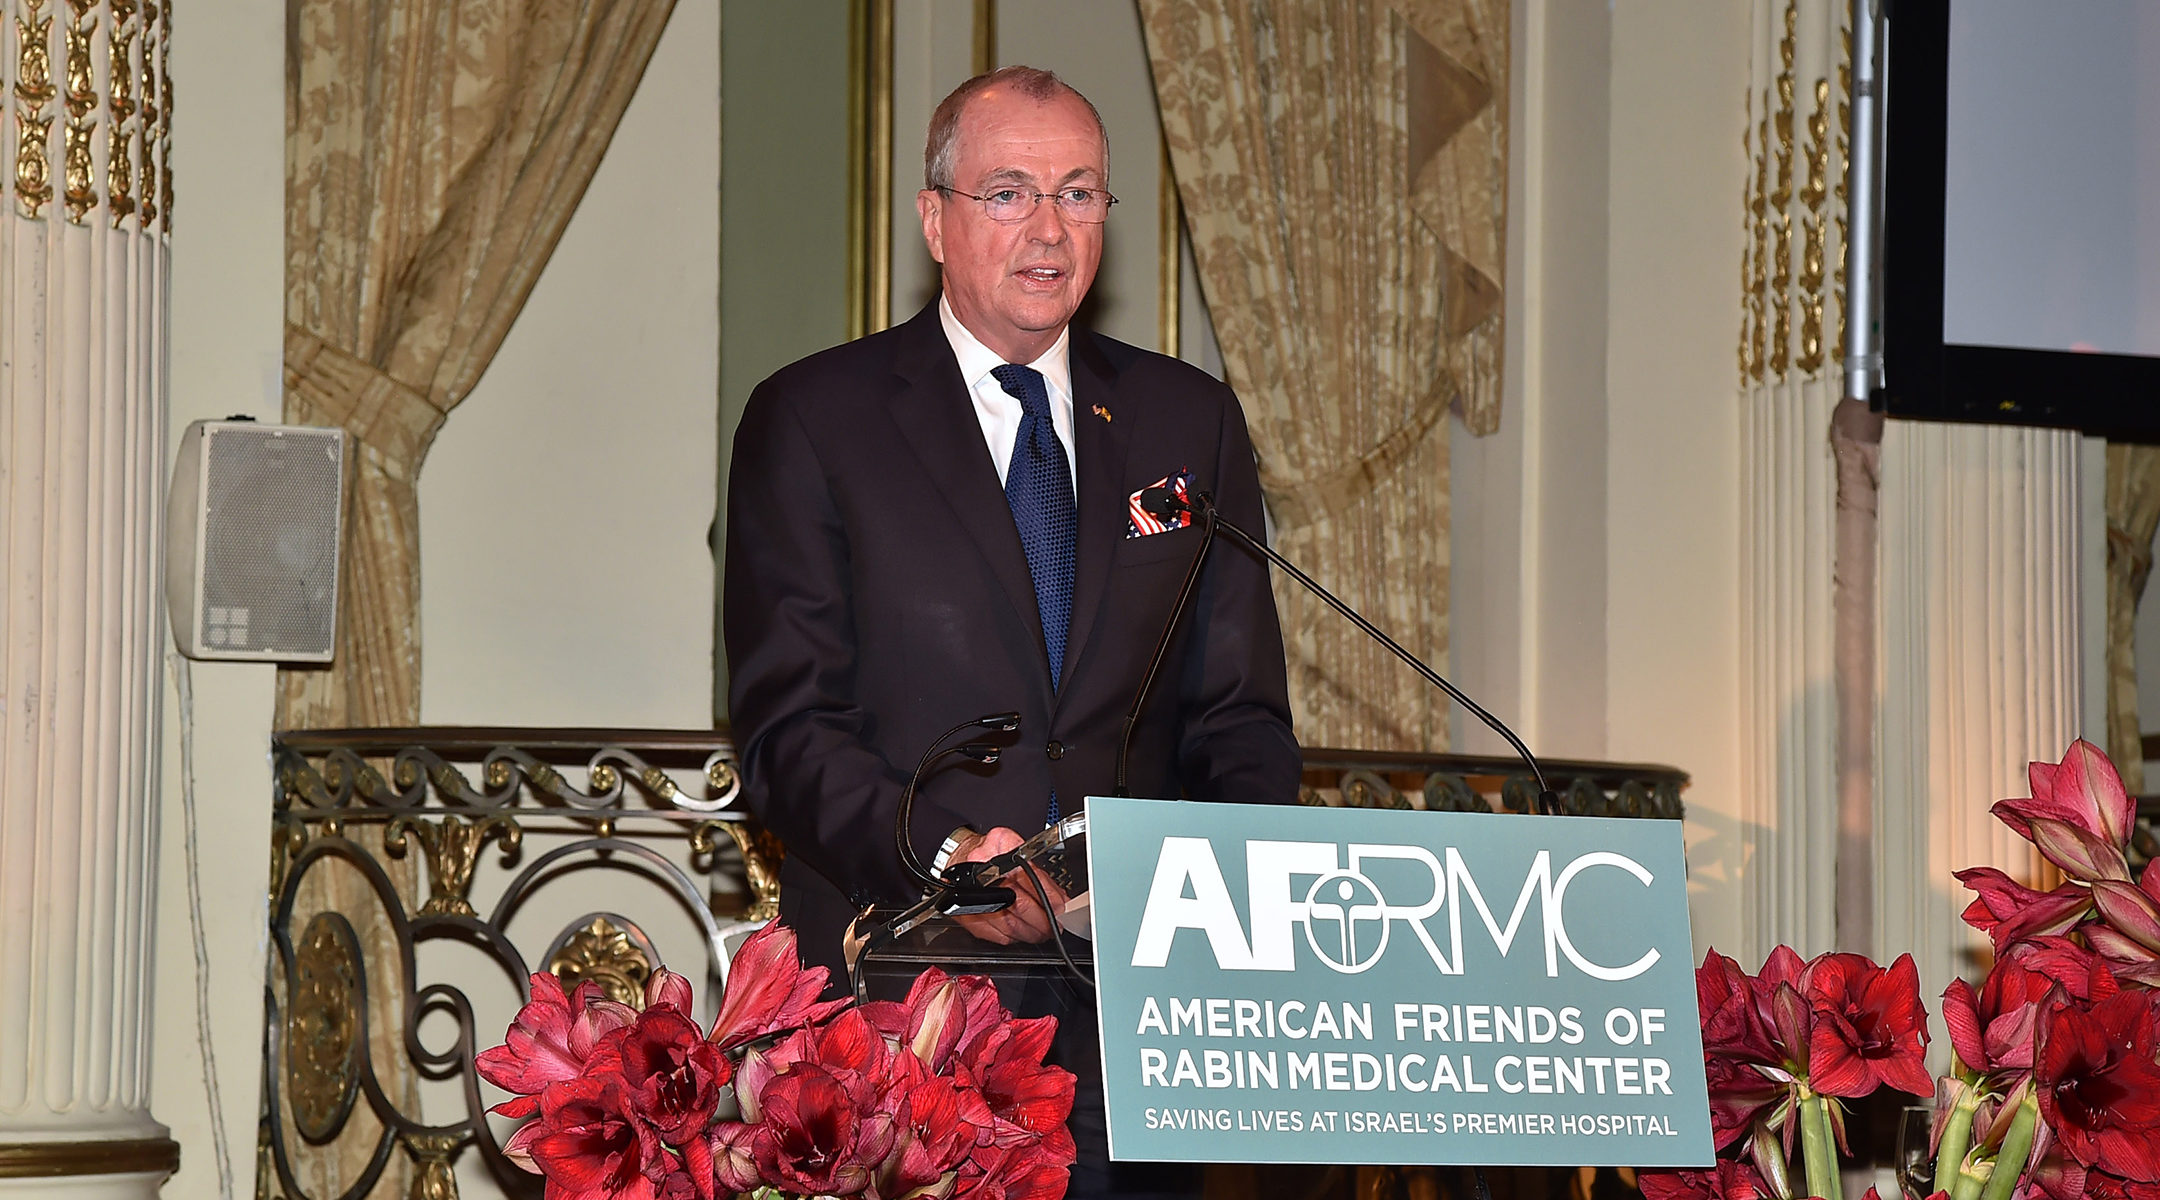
<point x="435" y="150"/>
<point x="1343" y="170"/>
<point x="2133" y="513"/>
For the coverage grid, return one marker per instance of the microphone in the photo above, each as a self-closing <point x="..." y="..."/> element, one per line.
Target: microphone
<point x="976" y="899"/>
<point x="1162" y="502"/>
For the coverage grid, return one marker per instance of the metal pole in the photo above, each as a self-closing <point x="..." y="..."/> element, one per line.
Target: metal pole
<point x="1863" y="218"/>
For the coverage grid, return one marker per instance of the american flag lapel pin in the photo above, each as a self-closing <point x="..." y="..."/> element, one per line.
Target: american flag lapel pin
<point x="1104" y="413"/>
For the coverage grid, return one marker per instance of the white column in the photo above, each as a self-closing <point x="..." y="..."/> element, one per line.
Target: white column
<point x="82" y="411"/>
<point x="1982" y="665"/>
<point x="1789" y="344"/>
<point x="1790" y="811"/>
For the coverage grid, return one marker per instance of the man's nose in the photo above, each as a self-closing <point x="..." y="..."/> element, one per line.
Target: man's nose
<point x="1048" y="223"/>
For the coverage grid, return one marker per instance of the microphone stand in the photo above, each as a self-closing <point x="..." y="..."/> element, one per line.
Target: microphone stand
<point x="1161" y="501"/>
<point x="952" y="898"/>
<point x="1162" y="644"/>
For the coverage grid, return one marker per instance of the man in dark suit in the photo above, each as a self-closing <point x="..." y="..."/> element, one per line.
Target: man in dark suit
<point x="935" y="523"/>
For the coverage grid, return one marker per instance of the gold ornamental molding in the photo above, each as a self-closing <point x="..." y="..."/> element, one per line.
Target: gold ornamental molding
<point x="126" y="86"/>
<point x="1781" y="194"/>
<point x="1771" y="288"/>
<point x="53" y="1160"/>
<point x="870" y="170"/>
<point x="120" y="36"/>
<point x="79" y="194"/>
<point x="452" y="846"/>
<point x="603" y="952"/>
<point x="322" y="1027"/>
<point x="33" y="126"/>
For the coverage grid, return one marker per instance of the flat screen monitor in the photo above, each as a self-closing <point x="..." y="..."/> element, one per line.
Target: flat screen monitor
<point x="2021" y="213"/>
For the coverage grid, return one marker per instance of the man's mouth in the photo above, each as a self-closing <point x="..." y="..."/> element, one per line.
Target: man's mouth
<point x="1041" y="274"/>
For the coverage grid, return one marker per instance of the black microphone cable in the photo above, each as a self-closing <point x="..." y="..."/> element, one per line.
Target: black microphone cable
<point x="904" y="820"/>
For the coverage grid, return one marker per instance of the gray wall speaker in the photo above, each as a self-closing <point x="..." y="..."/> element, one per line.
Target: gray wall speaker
<point x="252" y="527"/>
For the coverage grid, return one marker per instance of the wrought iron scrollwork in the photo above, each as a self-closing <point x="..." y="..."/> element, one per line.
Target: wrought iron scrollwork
<point x="1476" y="783"/>
<point x="653" y="807"/>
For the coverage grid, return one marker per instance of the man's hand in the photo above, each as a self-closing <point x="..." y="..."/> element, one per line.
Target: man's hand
<point x="1026" y="920"/>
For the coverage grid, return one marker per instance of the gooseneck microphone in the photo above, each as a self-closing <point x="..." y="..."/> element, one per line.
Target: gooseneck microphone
<point x="965" y="899"/>
<point x="1162" y="502"/>
<point x="1162" y="644"/>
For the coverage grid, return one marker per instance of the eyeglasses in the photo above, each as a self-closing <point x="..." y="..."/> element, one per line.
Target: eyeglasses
<point x="1089" y="206"/>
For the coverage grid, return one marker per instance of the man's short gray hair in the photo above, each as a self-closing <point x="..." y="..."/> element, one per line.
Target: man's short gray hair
<point x="942" y="147"/>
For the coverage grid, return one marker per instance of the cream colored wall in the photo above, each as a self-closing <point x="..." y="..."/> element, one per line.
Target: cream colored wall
<point x="566" y="577"/>
<point x="1595" y="576"/>
<point x="227" y="340"/>
<point x="1679" y="73"/>
<point x="784" y="202"/>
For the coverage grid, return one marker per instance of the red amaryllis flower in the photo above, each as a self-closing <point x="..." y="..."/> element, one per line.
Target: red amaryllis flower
<point x="770" y="991"/>
<point x="1869" y="1027"/>
<point x="2008" y="912"/>
<point x="2099" y="1087"/>
<point x="814" y="1136"/>
<point x="734" y="1166"/>
<point x="1739" y="1092"/>
<point x="549" y="1041"/>
<point x="937" y="1123"/>
<point x="666" y="988"/>
<point x="941" y="1016"/>
<point x="1781" y="1006"/>
<point x="1728" y="1180"/>
<point x="846" y="1046"/>
<point x="2082" y="974"/>
<point x="2099" y="1185"/>
<point x="592" y="1147"/>
<point x="2083" y="792"/>
<point x="1732" y="1025"/>
<point x="1992" y="1029"/>
<point x="1013" y="1173"/>
<point x="672" y="1077"/>
<point x="1030" y="1100"/>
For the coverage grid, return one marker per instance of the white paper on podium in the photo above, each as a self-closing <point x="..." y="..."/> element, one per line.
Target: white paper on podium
<point x="1077" y="917"/>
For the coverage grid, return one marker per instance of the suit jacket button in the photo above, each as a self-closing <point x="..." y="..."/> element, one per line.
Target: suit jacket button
<point x="1055" y="750"/>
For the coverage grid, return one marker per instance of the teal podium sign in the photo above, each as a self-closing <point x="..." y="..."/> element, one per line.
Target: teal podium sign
<point x="1329" y="985"/>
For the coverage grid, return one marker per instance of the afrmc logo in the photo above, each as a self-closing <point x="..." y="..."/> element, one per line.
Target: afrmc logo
<point x="1345" y="918"/>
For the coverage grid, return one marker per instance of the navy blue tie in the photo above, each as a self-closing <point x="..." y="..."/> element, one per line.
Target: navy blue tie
<point x="1038" y="487"/>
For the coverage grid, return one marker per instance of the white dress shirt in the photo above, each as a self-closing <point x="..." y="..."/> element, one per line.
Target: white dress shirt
<point x="998" y="410"/>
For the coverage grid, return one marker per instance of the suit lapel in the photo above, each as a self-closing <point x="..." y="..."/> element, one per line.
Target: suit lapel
<point x="937" y="420"/>
<point x="1100" y="446"/>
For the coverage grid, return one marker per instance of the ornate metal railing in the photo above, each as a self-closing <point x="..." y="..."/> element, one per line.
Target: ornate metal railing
<point x="497" y="826"/>
<point x="512" y="856"/>
<point x="1479" y="783"/>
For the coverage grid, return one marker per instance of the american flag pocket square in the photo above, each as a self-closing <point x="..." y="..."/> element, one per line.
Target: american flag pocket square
<point x="1139" y="522"/>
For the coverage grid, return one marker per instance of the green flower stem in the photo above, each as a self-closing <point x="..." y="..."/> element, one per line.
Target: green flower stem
<point x="1818" y="1149"/>
<point x="2016" y="1146"/>
<point x="1956" y="1139"/>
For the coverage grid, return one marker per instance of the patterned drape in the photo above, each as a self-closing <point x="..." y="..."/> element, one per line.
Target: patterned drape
<point x="2133" y="513"/>
<point x="435" y="150"/>
<point x="1343" y="167"/>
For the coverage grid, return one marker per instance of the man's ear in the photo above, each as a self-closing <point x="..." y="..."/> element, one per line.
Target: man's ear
<point x="930" y="206"/>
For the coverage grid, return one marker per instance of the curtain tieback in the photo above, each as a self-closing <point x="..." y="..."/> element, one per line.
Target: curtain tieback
<point x="1298" y="502"/>
<point x="326" y="385"/>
